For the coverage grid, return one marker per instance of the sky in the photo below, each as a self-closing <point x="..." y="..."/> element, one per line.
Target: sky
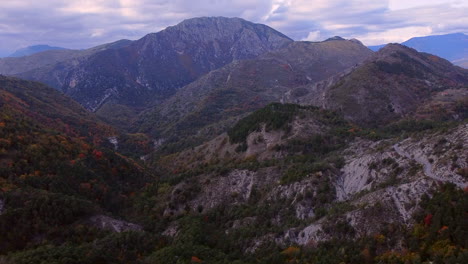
<point x="82" y="24"/>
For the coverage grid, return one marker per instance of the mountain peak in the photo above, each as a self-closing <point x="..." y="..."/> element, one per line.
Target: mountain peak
<point x="215" y="27"/>
<point x="212" y="19"/>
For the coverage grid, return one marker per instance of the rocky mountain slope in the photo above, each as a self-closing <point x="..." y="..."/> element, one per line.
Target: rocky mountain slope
<point x="152" y="68"/>
<point x="395" y="82"/>
<point x="209" y="105"/>
<point x="291" y="175"/>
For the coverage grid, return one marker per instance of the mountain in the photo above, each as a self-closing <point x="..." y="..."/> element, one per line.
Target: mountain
<point x="151" y="69"/>
<point x="394" y="83"/>
<point x="453" y="47"/>
<point x="215" y="101"/>
<point x="33" y="50"/>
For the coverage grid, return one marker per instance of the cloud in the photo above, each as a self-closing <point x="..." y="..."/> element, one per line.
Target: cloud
<point x="313" y="36"/>
<point x="86" y="23"/>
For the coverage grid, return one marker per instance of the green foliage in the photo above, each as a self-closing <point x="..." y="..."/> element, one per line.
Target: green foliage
<point x="126" y="247"/>
<point x="33" y="213"/>
<point x="274" y="116"/>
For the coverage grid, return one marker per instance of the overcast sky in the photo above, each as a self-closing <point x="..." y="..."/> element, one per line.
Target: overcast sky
<point x="86" y="23"/>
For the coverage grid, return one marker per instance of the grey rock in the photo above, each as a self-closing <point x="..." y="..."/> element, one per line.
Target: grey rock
<point x="112" y="224"/>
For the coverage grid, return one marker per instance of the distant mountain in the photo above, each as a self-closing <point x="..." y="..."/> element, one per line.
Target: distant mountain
<point x="394" y="83"/>
<point x="450" y="46"/>
<point x="39" y="65"/>
<point x="376" y="48"/>
<point x="453" y="47"/>
<point x="33" y="50"/>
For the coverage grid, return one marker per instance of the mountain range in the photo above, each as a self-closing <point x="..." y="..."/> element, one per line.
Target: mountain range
<point x="218" y="140"/>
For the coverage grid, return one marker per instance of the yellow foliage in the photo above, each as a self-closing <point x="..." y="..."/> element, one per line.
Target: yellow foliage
<point x="291" y="251"/>
<point x="379" y="238"/>
<point x="443" y="248"/>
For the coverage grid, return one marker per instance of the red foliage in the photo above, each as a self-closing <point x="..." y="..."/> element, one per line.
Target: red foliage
<point x="428" y="220"/>
<point x="97" y="154"/>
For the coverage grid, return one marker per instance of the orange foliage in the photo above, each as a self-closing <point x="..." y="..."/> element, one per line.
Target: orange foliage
<point x="291" y="251"/>
<point x="443" y="229"/>
<point x="196" y="260"/>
